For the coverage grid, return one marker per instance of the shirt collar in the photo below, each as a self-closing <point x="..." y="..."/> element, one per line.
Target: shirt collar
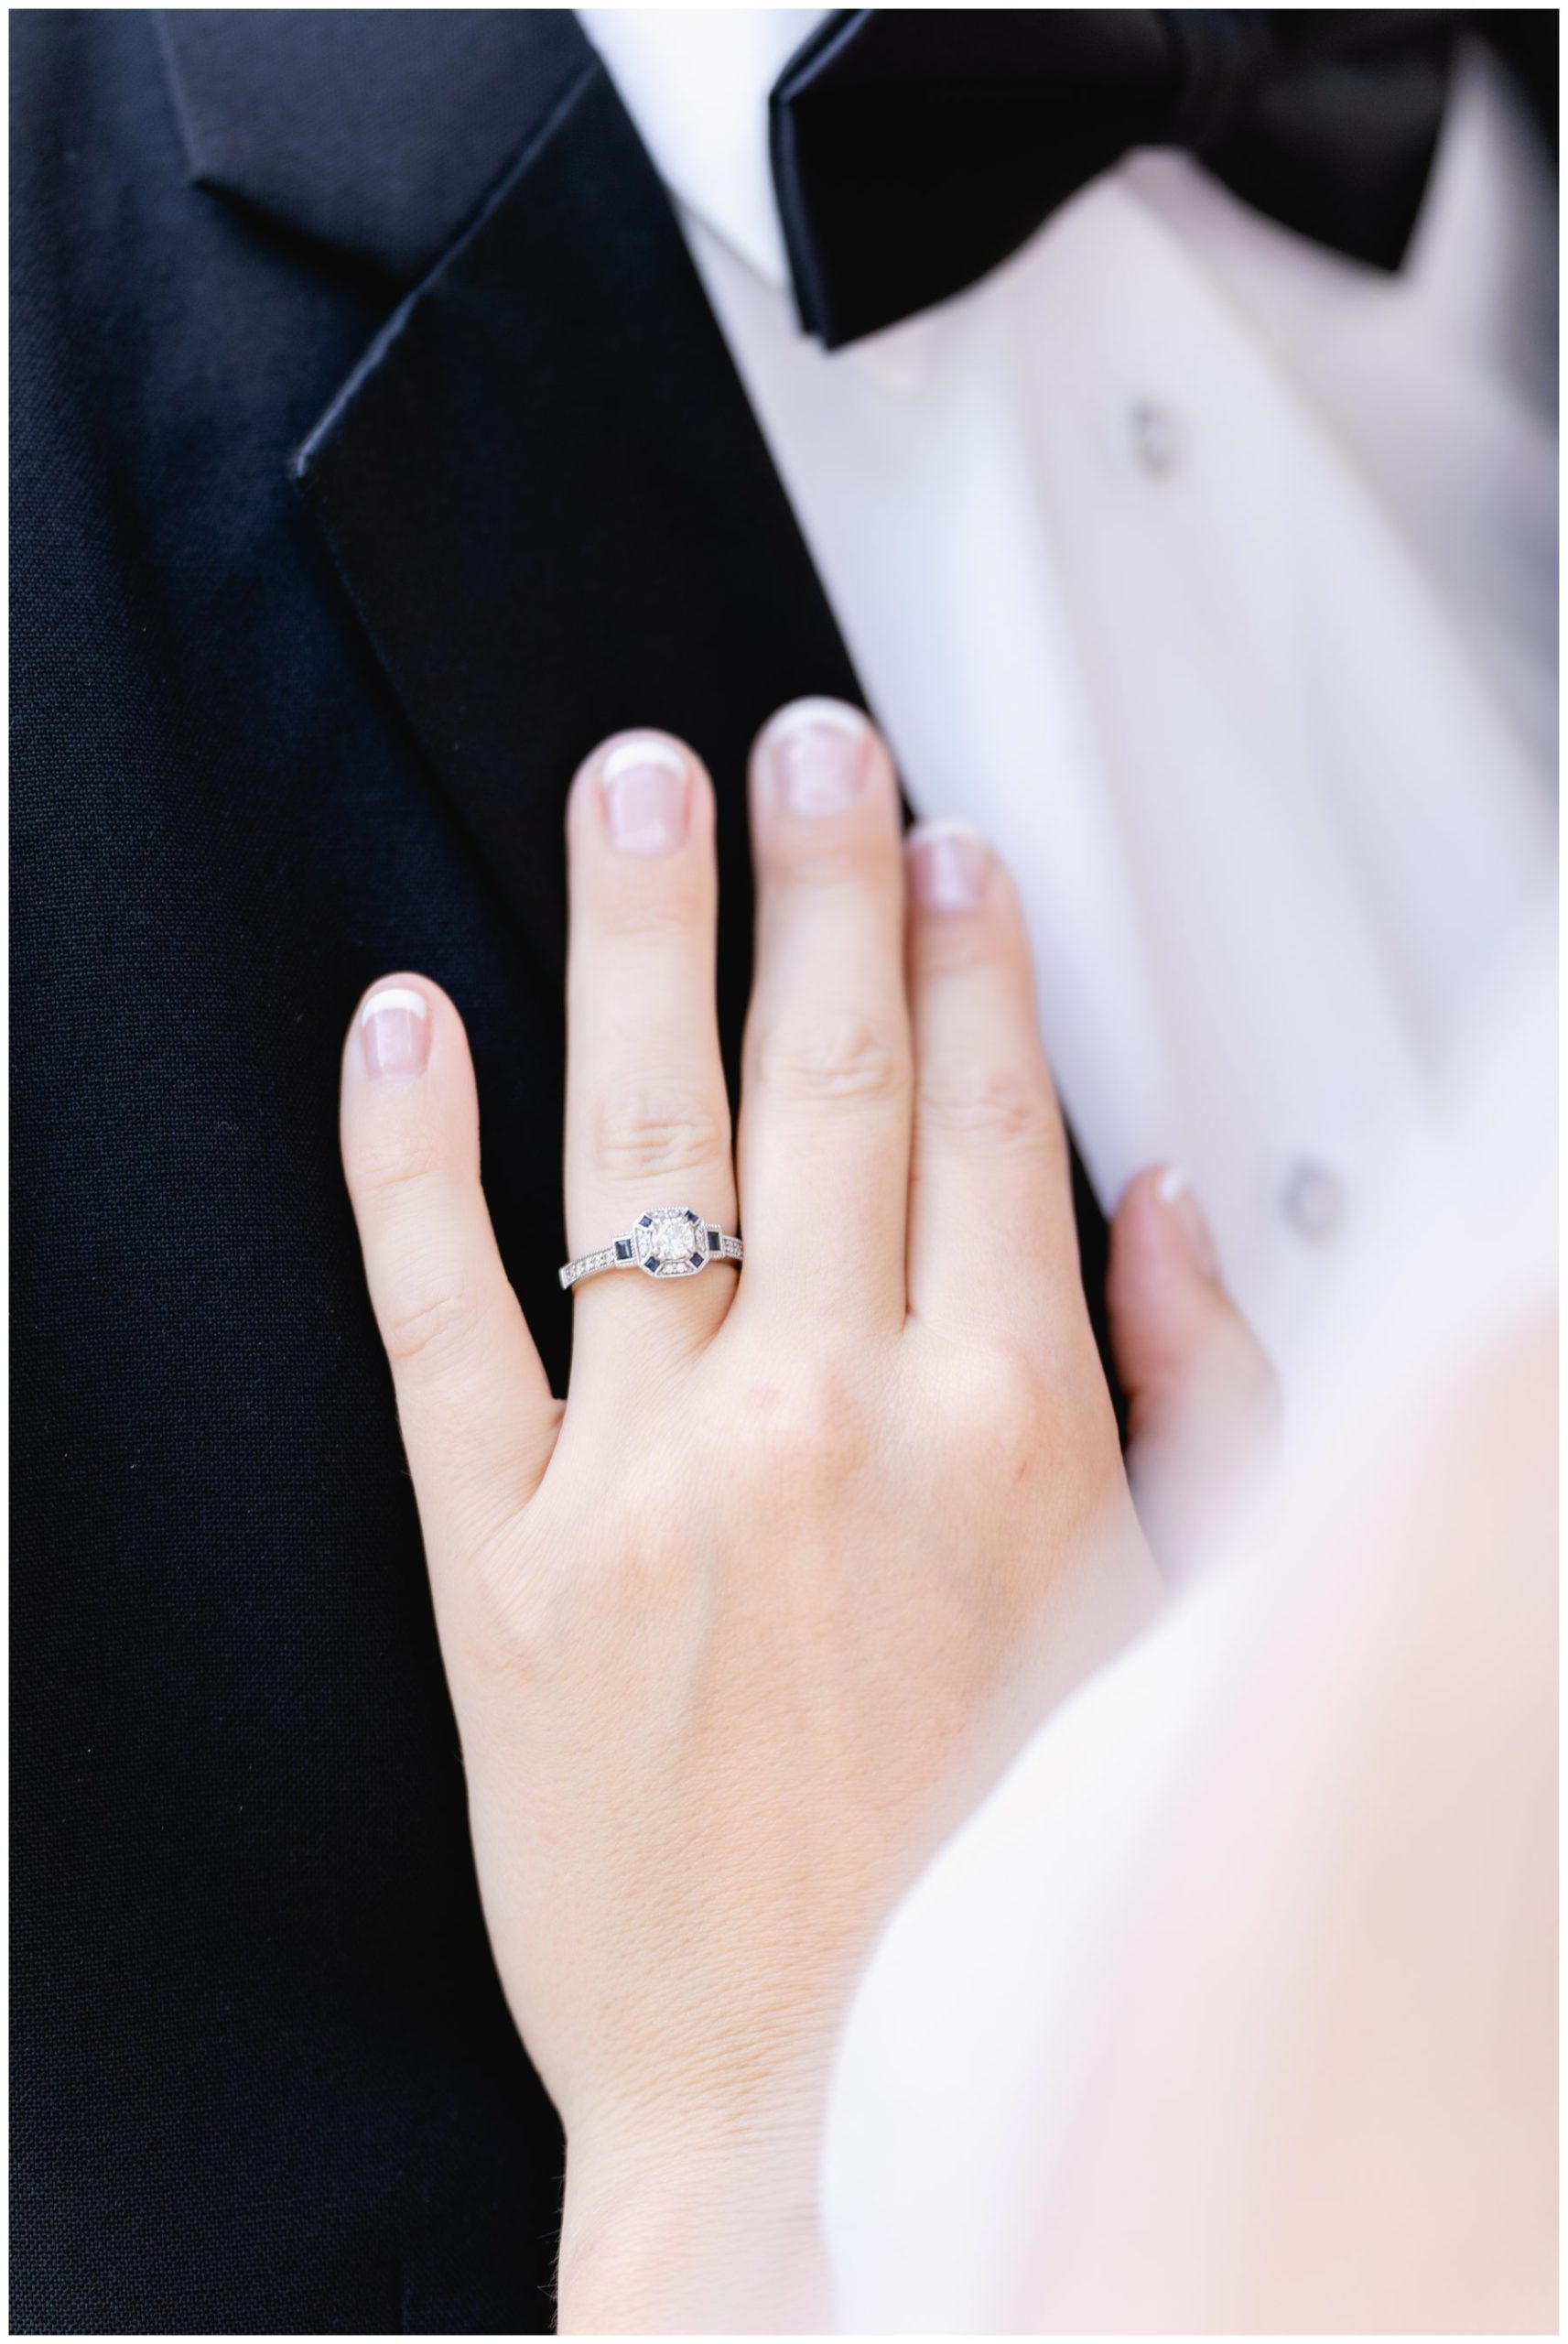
<point x="695" y="83"/>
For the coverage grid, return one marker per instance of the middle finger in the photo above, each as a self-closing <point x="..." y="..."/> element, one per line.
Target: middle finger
<point x="824" y="1119"/>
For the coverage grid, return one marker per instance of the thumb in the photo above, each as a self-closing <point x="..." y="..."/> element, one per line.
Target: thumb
<point x="1203" y="1400"/>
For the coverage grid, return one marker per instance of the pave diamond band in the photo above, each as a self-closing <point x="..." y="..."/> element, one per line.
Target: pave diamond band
<point x="666" y="1241"/>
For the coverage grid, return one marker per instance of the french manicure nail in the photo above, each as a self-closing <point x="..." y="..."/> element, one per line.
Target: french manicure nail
<point x="394" y="1032"/>
<point x="647" y="797"/>
<point x="949" y="867"/>
<point x="1174" y="1192"/>
<point x="817" y="752"/>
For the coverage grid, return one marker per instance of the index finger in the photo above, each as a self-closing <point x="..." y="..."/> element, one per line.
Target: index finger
<point x="474" y="1405"/>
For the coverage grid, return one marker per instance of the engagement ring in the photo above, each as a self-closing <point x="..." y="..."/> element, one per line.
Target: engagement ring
<point x="669" y="1241"/>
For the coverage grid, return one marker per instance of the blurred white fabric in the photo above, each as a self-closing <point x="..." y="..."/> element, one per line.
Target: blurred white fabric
<point x="1211" y="575"/>
<point x="1234" y="2006"/>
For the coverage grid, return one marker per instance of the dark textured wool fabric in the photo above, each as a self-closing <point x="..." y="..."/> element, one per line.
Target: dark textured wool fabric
<point x="364" y="474"/>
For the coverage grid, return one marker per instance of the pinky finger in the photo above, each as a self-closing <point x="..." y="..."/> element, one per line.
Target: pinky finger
<point x="1203" y="1399"/>
<point x="473" y="1402"/>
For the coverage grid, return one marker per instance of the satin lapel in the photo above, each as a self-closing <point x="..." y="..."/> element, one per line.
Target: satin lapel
<point x="546" y="492"/>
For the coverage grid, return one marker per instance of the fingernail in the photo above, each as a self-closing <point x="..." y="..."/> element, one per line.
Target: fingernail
<point x="647" y="797"/>
<point x="395" y="1031"/>
<point x="816" y="756"/>
<point x="949" y="867"/>
<point x="1175" y="1194"/>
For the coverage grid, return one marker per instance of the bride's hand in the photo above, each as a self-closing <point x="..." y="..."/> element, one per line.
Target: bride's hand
<point x="724" y="1632"/>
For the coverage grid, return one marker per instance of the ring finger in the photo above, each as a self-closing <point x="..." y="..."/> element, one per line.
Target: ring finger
<point x="825" y="1090"/>
<point x="647" y="1115"/>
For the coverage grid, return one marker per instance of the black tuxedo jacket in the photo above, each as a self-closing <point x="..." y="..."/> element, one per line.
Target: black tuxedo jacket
<point x="375" y="452"/>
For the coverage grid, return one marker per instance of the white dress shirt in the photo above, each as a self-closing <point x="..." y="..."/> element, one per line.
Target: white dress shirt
<point x="1211" y="576"/>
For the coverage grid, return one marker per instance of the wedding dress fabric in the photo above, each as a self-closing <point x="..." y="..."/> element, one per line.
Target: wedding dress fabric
<point x="1233" y="2006"/>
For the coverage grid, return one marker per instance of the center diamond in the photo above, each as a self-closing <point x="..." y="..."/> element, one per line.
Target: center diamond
<point x="671" y="1241"/>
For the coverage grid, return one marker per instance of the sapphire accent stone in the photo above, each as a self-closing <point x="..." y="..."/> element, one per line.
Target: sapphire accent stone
<point x="697" y="1261"/>
<point x="714" y="1241"/>
<point x="646" y="1222"/>
<point x="623" y="1249"/>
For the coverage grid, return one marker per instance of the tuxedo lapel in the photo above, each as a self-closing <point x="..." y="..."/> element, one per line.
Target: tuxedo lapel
<point x="377" y="132"/>
<point x="544" y="490"/>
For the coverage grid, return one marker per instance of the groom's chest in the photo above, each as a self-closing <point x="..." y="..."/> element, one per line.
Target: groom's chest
<point x="1056" y="535"/>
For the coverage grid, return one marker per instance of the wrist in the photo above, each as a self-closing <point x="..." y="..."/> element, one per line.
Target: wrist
<point x="662" y="2235"/>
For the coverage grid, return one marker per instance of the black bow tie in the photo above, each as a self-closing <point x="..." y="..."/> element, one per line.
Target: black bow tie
<point x="912" y="149"/>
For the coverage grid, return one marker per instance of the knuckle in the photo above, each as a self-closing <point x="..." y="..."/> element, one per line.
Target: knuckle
<point x="813" y="1425"/>
<point x="990" y="1106"/>
<point x="831" y="861"/>
<point x="394" y="1164"/>
<point x="424" y="1326"/>
<point x="820" y="1060"/>
<point x="959" y="947"/>
<point x="659" y="913"/>
<point x="1007" y="1402"/>
<point x="655" y="1130"/>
